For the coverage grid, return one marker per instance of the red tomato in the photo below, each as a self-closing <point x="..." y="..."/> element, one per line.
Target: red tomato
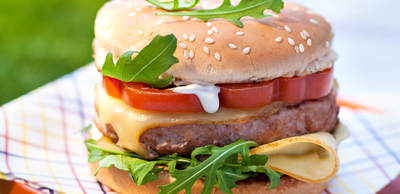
<point x="112" y="86"/>
<point x="252" y="95"/>
<point x="256" y="95"/>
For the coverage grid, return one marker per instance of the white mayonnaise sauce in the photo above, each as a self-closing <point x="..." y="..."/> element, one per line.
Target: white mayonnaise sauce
<point x="208" y="95"/>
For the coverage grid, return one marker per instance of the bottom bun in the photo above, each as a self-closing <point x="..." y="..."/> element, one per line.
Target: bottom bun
<point x="120" y="182"/>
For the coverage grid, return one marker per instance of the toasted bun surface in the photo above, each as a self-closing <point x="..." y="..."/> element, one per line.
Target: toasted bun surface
<point x="120" y="182"/>
<point x="129" y="25"/>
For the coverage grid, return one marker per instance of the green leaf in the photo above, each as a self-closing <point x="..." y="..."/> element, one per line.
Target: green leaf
<point x="85" y="130"/>
<point x="273" y="176"/>
<point x="143" y="171"/>
<point x="252" y="8"/>
<point x="227" y="177"/>
<point x="94" y="154"/>
<point x="119" y="161"/>
<point x="91" y="145"/>
<point x="258" y="159"/>
<point x="233" y="159"/>
<point x="208" y="169"/>
<point x="151" y="62"/>
<point x="253" y="168"/>
<point x="222" y="169"/>
<point x="175" y="4"/>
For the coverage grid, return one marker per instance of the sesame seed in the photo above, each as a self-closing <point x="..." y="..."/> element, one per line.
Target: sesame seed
<point x="128" y="7"/>
<point x="139" y="9"/>
<point x="139" y="32"/>
<point x="183" y="45"/>
<point x="240" y="33"/>
<point x="217" y="56"/>
<point x="210" y="32"/>
<point x="306" y="33"/>
<point x="291" y="41"/>
<point x="106" y="26"/>
<point x="310" y="12"/>
<point x="159" y="22"/>
<point x="197" y="19"/>
<point x="278" y="39"/>
<point x="185" y="17"/>
<point x="209" y="40"/>
<point x="327" y="44"/>
<point x="295" y="8"/>
<point x="208" y="24"/>
<point x="191" y="54"/>
<point x="303" y="35"/>
<point x="232" y="46"/>
<point x="309" y="42"/>
<point x="192" y="37"/>
<point x="215" y="29"/>
<point x="186" y="54"/>
<point x="206" y="50"/>
<point x="301" y="47"/>
<point x="274" y="16"/>
<point x="288" y="29"/>
<point x="316" y="64"/>
<point x="185" y="36"/>
<point x="253" y="78"/>
<point x="132" y="14"/>
<point x="246" y="50"/>
<point x="314" y="21"/>
<point x="296" y="48"/>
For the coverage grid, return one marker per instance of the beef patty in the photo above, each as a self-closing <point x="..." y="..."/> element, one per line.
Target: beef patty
<point x="309" y="116"/>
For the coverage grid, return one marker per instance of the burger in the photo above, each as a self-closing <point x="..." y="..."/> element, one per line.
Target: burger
<point x="210" y="97"/>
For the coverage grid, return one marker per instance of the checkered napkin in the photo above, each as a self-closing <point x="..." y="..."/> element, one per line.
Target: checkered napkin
<point x="40" y="142"/>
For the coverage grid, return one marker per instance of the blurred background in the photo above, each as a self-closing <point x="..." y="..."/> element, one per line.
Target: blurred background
<point x="42" y="40"/>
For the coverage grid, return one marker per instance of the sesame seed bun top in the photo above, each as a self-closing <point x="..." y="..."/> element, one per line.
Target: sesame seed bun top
<point x="295" y="42"/>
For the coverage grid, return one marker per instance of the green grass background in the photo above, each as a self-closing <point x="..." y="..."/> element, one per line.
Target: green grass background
<point x="42" y="40"/>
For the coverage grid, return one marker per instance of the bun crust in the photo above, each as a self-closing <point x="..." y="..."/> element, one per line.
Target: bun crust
<point x="120" y="182"/>
<point x="119" y="26"/>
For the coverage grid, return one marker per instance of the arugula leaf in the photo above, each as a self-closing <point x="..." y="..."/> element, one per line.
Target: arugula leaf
<point x="85" y="130"/>
<point x="119" y="161"/>
<point x="253" y="8"/>
<point x="222" y="169"/>
<point x="227" y="178"/>
<point x="96" y="155"/>
<point x="258" y="159"/>
<point x="151" y="62"/>
<point x="272" y="175"/>
<point x="185" y="179"/>
<point x="175" y="4"/>
<point x="91" y="146"/>
<point x="143" y="171"/>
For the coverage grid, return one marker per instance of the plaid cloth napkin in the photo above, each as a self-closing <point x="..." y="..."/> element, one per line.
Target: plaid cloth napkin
<point x="40" y="143"/>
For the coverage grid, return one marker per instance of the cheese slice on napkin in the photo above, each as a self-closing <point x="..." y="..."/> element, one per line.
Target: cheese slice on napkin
<point x="310" y="158"/>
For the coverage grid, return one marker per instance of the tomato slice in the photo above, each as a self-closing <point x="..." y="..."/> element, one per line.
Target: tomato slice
<point x="139" y="96"/>
<point x="280" y="89"/>
<point x="251" y="95"/>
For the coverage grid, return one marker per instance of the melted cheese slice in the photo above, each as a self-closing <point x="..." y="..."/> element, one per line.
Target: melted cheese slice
<point x="310" y="158"/>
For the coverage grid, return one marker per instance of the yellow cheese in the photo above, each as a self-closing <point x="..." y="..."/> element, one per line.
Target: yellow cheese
<point x="310" y="158"/>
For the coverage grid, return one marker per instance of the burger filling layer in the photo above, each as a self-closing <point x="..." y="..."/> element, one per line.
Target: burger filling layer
<point x="152" y="134"/>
